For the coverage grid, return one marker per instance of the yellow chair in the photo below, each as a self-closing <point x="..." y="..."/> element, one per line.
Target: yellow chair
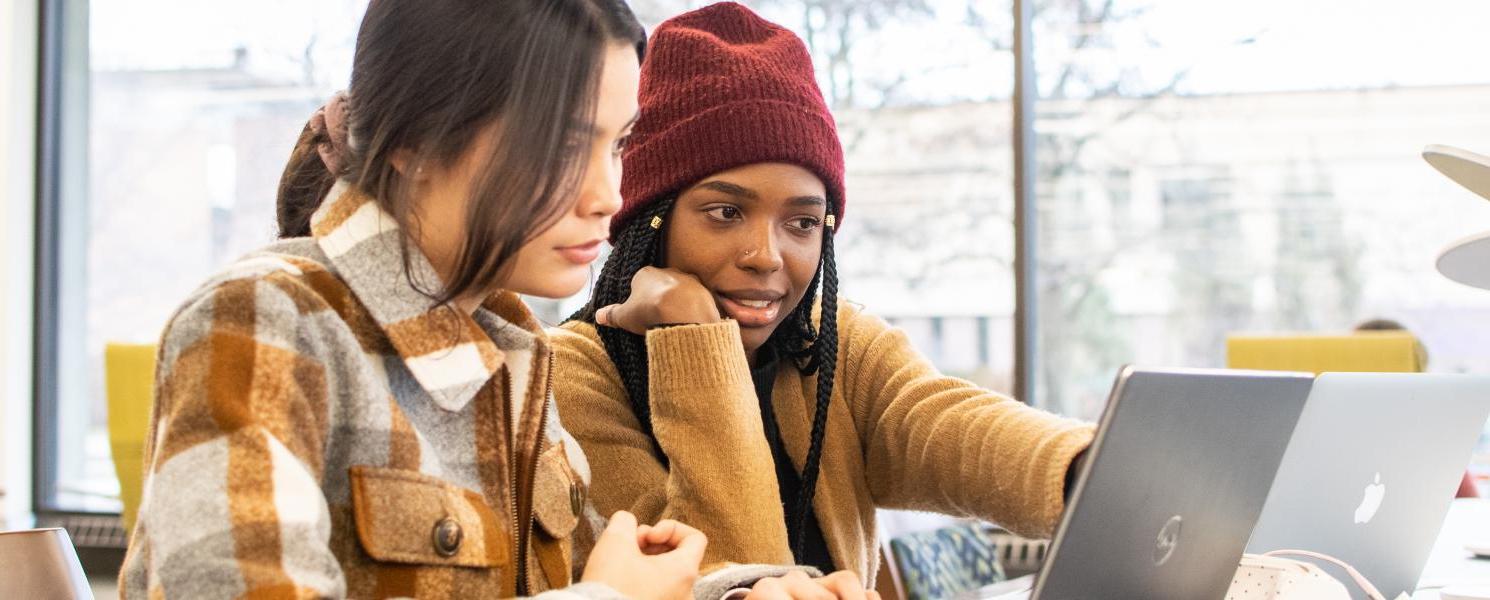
<point x="1373" y="351"/>
<point x="1365" y="351"/>
<point x="129" y="381"/>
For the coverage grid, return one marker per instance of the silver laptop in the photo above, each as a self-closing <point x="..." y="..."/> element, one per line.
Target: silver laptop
<point x="1371" y="471"/>
<point x="1172" y="484"/>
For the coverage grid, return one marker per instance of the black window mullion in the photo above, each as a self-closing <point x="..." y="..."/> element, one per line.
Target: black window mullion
<point x="51" y="35"/>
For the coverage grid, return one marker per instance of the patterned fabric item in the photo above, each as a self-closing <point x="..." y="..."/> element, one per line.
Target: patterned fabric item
<point x="947" y="561"/>
<point x="322" y="429"/>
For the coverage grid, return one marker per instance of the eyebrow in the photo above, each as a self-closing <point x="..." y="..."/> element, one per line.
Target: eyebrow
<point x="726" y="187"/>
<point x="740" y="191"/>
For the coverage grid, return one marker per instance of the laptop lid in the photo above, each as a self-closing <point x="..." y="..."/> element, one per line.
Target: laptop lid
<point x="40" y="563"/>
<point x="1173" y="484"/>
<point x="1371" y="471"/>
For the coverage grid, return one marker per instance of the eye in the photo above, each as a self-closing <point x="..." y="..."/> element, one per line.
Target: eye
<point x="621" y="144"/>
<point x="804" y="224"/>
<point x="723" y="214"/>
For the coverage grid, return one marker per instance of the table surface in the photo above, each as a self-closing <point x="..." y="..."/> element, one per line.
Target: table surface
<point x="1448" y="564"/>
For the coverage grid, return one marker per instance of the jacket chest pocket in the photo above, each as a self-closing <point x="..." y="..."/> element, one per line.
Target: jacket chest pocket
<point x="412" y="518"/>
<point x="559" y="500"/>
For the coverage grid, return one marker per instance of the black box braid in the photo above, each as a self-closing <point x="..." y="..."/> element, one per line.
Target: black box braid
<point x="814" y="350"/>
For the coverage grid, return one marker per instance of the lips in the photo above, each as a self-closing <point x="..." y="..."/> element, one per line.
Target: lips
<point x="582" y="254"/>
<point x="751" y="308"/>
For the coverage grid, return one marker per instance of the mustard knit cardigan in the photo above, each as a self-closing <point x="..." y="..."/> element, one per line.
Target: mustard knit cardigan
<point x="899" y="435"/>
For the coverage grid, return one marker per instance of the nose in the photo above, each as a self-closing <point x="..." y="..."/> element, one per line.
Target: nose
<point x="760" y="253"/>
<point x="600" y="193"/>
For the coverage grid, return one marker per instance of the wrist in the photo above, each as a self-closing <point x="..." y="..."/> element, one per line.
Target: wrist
<point x="700" y="314"/>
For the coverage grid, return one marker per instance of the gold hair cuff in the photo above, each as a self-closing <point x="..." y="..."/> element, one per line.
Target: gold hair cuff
<point x="831" y="221"/>
<point x="657" y="222"/>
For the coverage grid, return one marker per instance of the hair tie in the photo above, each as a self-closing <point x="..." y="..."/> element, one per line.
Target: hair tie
<point x="330" y="121"/>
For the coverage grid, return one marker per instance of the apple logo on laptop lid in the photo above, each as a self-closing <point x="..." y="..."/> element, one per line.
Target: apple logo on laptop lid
<point x="1371" y="502"/>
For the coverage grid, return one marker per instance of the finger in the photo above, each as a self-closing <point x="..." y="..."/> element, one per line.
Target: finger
<point x="845" y="585"/>
<point x="622" y="316"/>
<point x="662" y="533"/>
<point x="676" y="532"/>
<point x="656" y="541"/>
<point x="619" y="537"/>
<point x="806" y="588"/>
<point x="687" y="546"/>
<point x="603" y="314"/>
<point x="651" y="541"/>
<point x="872" y="595"/>
<point x="620" y="529"/>
<point x="770" y="588"/>
<point x="625" y="517"/>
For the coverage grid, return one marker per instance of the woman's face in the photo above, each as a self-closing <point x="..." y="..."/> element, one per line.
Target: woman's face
<point x="754" y="236"/>
<point x="555" y="263"/>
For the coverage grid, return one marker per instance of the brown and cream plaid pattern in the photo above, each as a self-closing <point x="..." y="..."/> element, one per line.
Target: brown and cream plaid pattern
<point x="322" y="429"/>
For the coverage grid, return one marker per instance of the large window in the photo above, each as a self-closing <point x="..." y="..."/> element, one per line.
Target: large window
<point x="1210" y="167"/>
<point x="1202" y="168"/>
<point x="190" y="111"/>
<point x="177" y="118"/>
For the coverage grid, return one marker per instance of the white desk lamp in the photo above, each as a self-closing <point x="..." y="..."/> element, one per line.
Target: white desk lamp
<point x="1466" y="261"/>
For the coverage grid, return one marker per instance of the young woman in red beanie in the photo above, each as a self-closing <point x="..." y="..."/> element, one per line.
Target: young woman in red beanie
<point x="712" y="382"/>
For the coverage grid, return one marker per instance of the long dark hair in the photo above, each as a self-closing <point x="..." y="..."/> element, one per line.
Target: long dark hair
<point x="809" y="349"/>
<point x="427" y="75"/>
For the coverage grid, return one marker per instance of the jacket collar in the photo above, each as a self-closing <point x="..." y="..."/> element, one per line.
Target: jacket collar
<point x="448" y="351"/>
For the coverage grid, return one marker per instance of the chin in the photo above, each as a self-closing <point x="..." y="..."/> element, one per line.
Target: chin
<point x="752" y="342"/>
<point x="559" y="285"/>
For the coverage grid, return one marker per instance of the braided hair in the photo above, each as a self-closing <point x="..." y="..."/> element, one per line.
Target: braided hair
<point x="811" y="349"/>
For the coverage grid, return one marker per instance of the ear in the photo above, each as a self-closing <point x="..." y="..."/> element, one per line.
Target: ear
<point x="408" y="165"/>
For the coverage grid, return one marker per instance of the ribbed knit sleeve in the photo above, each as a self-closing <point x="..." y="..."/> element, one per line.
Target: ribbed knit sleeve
<point x="720" y="477"/>
<point x="939" y="443"/>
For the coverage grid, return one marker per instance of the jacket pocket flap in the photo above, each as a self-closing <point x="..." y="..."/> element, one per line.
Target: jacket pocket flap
<point x="558" y="495"/>
<point x="408" y="517"/>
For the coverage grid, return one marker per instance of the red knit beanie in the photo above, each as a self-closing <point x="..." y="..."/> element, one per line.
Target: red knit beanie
<point x="723" y="88"/>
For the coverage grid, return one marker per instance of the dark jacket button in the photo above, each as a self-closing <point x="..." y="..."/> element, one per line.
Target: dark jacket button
<point x="576" y="498"/>
<point x="447" y="537"/>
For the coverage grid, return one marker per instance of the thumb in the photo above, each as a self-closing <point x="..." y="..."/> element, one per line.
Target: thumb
<point x="619" y="532"/>
<point x="605" y="315"/>
<point x="620" y="316"/>
<point x="690" y="551"/>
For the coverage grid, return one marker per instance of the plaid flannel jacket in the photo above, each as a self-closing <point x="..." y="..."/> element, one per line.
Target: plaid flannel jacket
<point x="322" y="429"/>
